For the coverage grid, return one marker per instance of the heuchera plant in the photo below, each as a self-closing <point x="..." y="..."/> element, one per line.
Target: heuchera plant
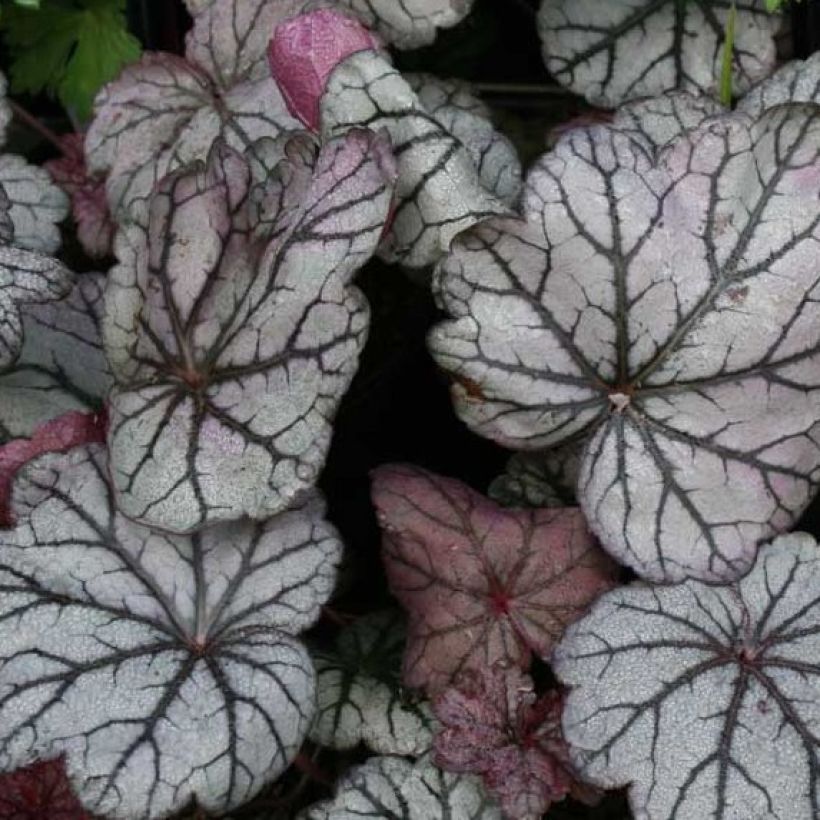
<point x="637" y="323"/>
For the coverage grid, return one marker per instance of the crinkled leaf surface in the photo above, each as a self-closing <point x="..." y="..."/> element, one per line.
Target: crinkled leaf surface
<point x="163" y="667"/>
<point x="706" y="700"/>
<point x="62" y="365"/>
<point x="463" y="115"/>
<point x="409" y="23"/>
<point x="89" y="202"/>
<point x="36" y="204"/>
<point x="481" y="584"/>
<point x="667" y="313"/>
<point x="393" y="788"/>
<point x="164" y="111"/>
<point x="39" y="792"/>
<point x="494" y="725"/>
<point x="796" y="82"/>
<point x="545" y="479"/>
<point x="359" y="694"/>
<point x="439" y="193"/>
<point x="623" y="49"/>
<point x="232" y="349"/>
<point x="63" y="433"/>
<point x="26" y="277"/>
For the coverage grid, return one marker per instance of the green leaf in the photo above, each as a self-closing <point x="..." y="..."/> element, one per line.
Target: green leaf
<point x="728" y="59"/>
<point x="773" y="5"/>
<point x="70" y="48"/>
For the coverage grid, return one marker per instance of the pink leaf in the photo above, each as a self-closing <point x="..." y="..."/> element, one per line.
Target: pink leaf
<point x="39" y="792"/>
<point x="481" y="583"/>
<point x="305" y="50"/>
<point x="496" y="726"/>
<point x="89" y="204"/>
<point x="63" y="433"/>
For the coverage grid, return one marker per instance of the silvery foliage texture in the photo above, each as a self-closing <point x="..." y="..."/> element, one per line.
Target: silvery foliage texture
<point x="661" y="308"/>
<point x="393" y="788"/>
<point x="623" y="49"/>
<point x="165" y="668"/>
<point x="796" y="82"/>
<point x="166" y="111"/>
<point x="401" y="23"/>
<point x="233" y="329"/>
<point x="31" y="205"/>
<point x="359" y="694"/>
<point x="62" y="366"/>
<point x="456" y="108"/>
<point x="705" y="700"/>
<point x="439" y="191"/>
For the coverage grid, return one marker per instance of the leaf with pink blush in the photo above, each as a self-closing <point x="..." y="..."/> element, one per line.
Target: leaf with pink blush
<point x="63" y="433"/>
<point x="39" y="792"/>
<point x="494" y="725"/>
<point x="89" y="204"/>
<point x="481" y="583"/>
<point x="325" y="63"/>
<point x="232" y="340"/>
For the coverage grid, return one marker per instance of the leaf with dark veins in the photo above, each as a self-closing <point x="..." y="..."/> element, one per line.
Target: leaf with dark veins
<point x="704" y="700"/>
<point x="666" y="312"/>
<point x="26" y="277"/>
<point x="796" y="82"/>
<point x="232" y="350"/>
<point x="481" y="584"/>
<point x="187" y="641"/>
<point x="359" y="694"/>
<point x="36" y="204"/>
<point x="409" y="23"/>
<point x="439" y="192"/>
<point x="540" y="479"/>
<point x="62" y="366"/>
<point x="464" y="116"/>
<point x="625" y="49"/>
<point x="163" y="112"/>
<point x="393" y="788"/>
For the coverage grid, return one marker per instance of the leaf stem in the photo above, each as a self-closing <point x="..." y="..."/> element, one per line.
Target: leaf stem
<point x="36" y="125"/>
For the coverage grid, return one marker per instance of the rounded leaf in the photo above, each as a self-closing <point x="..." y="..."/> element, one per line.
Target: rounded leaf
<point x="660" y="307"/>
<point x="704" y="700"/>
<point x="187" y="641"/>
<point x="625" y="49"/>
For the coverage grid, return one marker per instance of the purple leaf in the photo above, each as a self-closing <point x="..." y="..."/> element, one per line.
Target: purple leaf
<point x="494" y="725"/>
<point x="232" y="347"/>
<point x="704" y="700"/>
<point x="39" y="792"/>
<point x="89" y="205"/>
<point x="639" y="48"/>
<point x="304" y="52"/>
<point x="62" y="366"/>
<point x="658" y="306"/>
<point x="165" y="668"/>
<point x="481" y="583"/>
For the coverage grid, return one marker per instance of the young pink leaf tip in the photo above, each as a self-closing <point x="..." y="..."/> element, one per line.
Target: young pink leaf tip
<point x="494" y="725"/>
<point x="305" y="50"/>
<point x="481" y="584"/>
<point x="63" y="433"/>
